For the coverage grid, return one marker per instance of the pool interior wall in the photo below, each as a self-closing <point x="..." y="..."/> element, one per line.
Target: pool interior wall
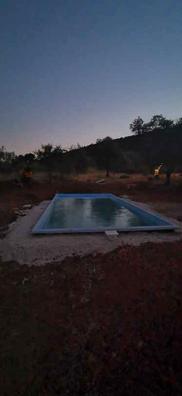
<point x="128" y="216"/>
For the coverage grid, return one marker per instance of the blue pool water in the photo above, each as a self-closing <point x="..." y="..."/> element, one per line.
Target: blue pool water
<point x="95" y="213"/>
<point x="90" y="213"/>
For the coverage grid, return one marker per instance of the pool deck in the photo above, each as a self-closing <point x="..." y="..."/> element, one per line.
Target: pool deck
<point x="21" y="246"/>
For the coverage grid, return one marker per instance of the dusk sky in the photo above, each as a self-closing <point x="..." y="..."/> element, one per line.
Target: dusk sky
<point x="72" y="71"/>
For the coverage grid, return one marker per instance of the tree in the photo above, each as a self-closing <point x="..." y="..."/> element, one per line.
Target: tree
<point x="106" y="153"/>
<point x="29" y="158"/>
<point x="6" y="159"/>
<point x="45" y="152"/>
<point x="6" y="156"/>
<point x="137" y="126"/>
<point x="158" y="121"/>
<point x="167" y="124"/>
<point x="50" y="157"/>
<point x="2" y="153"/>
<point x="179" y="122"/>
<point x="147" y="127"/>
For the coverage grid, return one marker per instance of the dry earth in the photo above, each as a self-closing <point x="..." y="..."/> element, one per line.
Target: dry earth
<point x="108" y="324"/>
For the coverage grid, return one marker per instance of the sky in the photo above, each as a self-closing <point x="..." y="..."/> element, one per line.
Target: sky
<point x="72" y="71"/>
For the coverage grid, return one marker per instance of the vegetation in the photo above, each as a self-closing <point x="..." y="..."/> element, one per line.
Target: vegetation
<point x="157" y="122"/>
<point x="154" y="142"/>
<point x="137" y="126"/>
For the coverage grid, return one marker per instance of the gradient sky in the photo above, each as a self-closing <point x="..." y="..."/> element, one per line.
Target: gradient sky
<point x="76" y="70"/>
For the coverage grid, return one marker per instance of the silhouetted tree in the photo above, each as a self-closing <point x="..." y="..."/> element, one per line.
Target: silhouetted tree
<point x="45" y="152"/>
<point x="147" y="127"/>
<point x="158" y="121"/>
<point x="50" y="157"/>
<point x="29" y="158"/>
<point x="106" y="153"/>
<point x="179" y="122"/>
<point x="6" y="156"/>
<point x="2" y="151"/>
<point x="6" y="159"/>
<point x="137" y="126"/>
<point x="167" y="124"/>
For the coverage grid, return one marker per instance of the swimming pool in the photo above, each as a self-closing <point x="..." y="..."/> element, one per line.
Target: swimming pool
<point x="77" y="213"/>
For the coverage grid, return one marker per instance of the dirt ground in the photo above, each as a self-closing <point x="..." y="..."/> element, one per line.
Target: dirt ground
<point x="108" y="324"/>
<point x="137" y="187"/>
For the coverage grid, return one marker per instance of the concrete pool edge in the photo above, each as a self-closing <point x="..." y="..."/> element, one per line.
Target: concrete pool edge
<point x="168" y="225"/>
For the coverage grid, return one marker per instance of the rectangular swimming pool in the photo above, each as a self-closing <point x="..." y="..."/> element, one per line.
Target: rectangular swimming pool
<point x="76" y="213"/>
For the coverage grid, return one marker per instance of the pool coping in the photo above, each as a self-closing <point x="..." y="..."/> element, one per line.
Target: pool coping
<point x="38" y="229"/>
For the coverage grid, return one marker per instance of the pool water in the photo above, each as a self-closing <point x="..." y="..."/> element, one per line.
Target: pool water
<point x="91" y="213"/>
<point x="96" y="213"/>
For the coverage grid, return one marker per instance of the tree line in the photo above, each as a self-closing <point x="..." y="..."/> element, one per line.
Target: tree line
<point x="157" y="141"/>
<point x="51" y="158"/>
<point x="158" y="121"/>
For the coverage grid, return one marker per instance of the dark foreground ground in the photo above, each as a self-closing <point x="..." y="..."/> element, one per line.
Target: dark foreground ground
<point x="103" y="325"/>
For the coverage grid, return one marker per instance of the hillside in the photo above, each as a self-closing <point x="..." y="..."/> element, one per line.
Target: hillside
<point x="134" y="153"/>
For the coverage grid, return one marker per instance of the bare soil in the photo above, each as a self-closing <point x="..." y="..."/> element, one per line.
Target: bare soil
<point x="135" y="187"/>
<point x="97" y="325"/>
